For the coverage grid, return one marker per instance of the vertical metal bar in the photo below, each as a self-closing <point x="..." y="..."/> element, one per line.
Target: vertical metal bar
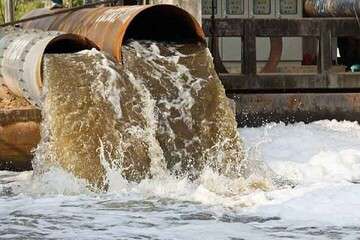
<point x="214" y="42"/>
<point x="325" y="59"/>
<point x="248" y="63"/>
<point x="9" y="11"/>
<point x="212" y="31"/>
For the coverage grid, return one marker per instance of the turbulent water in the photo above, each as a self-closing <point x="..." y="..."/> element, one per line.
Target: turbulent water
<point x="149" y="150"/>
<point x="322" y="158"/>
<point x="162" y="110"/>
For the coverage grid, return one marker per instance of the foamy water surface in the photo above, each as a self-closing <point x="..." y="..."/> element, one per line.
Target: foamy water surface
<point x="321" y="159"/>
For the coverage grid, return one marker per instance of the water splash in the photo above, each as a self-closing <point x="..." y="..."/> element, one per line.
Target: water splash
<point x="196" y="126"/>
<point x="163" y="113"/>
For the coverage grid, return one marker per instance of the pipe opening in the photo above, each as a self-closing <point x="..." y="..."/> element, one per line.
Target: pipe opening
<point x="69" y="43"/>
<point x="164" y="23"/>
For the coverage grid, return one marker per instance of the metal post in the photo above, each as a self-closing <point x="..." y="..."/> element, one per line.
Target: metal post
<point x="9" y="11"/>
<point x="325" y="58"/>
<point x="248" y="61"/>
<point x="214" y="42"/>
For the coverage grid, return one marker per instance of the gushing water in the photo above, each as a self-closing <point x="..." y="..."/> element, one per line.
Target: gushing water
<point x="163" y="111"/>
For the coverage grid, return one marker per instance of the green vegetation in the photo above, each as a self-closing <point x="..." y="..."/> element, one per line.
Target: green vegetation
<point x="23" y="6"/>
<point x="73" y="3"/>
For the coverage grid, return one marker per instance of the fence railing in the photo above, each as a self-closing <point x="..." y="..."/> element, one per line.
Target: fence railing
<point x="324" y="29"/>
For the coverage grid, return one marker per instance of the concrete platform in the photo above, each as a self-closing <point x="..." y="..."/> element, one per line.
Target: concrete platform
<point x="253" y="110"/>
<point x="19" y="132"/>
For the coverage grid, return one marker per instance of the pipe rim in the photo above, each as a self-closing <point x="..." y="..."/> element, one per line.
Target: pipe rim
<point x="199" y="35"/>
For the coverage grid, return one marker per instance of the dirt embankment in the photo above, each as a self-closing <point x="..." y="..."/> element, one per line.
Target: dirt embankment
<point x="10" y="101"/>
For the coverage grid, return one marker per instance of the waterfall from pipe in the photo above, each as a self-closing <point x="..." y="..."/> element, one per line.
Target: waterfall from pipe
<point x="162" y="111"/>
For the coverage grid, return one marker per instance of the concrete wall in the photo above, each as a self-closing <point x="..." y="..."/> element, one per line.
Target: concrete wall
<point x="192" y="6"/>
<point x="254" y="110"/>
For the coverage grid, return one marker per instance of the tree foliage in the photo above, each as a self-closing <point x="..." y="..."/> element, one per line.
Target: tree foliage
<point x="23" y="6"/>
<point x="20" y="7"/>
<point x="73" y="3"/>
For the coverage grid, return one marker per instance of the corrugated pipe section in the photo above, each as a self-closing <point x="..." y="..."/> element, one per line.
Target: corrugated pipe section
<point x="21" y="54"/>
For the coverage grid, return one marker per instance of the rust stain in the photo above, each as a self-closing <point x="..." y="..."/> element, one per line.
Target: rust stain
<point x="276" y="44"/>
<point x="16" y="142"/>
<point x="110" y="27"/>
<point x="293" y="103"/>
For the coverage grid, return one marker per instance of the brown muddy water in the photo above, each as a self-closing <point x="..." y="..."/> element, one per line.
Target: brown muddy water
<point x="163" y="109"/>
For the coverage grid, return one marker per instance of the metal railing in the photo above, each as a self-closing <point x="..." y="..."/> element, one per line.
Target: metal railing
<point x="323" y="29"/>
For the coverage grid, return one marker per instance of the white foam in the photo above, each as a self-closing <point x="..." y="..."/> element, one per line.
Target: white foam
<point x="319" y="201"/>
<point x="181" y="79"/>
<point x="315" y="205"/>
<point x="309" y="153"/>
<point x="107" y="89"/>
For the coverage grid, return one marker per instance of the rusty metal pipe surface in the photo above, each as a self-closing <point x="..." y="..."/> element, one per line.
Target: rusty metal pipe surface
<point x="111" y="27"/>
<point x="59" y="11"/>
<point x="17" y="140"/>
<point x="332" y="8"/>
<point x="276" y="48"/>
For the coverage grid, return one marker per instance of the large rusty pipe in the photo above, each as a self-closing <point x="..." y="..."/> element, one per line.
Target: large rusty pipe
<point x="21" y="54"/>
<point x="332" y="8"/>
<point x="111" y="27"/>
